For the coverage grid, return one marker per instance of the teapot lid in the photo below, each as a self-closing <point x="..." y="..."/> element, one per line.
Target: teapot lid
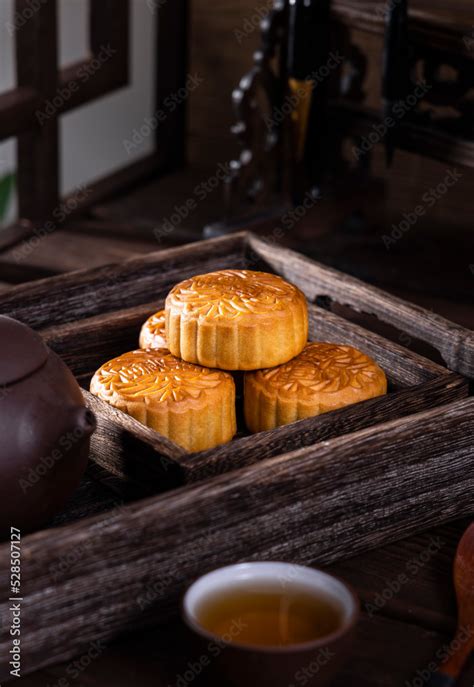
<point x="22" y="351"/>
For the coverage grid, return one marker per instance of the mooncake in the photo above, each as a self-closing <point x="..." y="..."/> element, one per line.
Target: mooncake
<point x="191" y="405"/>
<point x="153" y="332"/>
<point x="323" y="377"/>
<point x="236" y="320"/>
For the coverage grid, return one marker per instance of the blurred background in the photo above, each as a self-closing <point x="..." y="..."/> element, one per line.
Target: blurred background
<point x="343" y="129"/>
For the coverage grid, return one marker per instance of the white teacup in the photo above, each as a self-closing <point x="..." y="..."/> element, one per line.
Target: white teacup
<point x="241" y="663"/>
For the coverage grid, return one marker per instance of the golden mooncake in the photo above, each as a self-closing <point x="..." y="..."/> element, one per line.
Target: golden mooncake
<point x="153" y="332"/>
<point x="323" y="377"/>
<point x="236" y="320"/>
<point x="191" y="405"/>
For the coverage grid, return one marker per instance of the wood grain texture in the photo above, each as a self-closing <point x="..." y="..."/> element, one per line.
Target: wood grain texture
<point x="85" y="293"/>
<point x="391" y="644"/>
<point x="455" y="344"/>
<point x="317" y="504"/>
<point x="142" y="461"/>
<point x="117" y="332"/>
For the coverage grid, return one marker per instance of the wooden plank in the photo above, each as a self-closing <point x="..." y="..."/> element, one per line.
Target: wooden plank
<point x="17" y="111"/>
<point x="315" y="505"/>
<point x="14" y="233"/>
<point x="85" y="293"/>
<point x="38" y="152"/>
<point x="19" y="274"/>
<point x="455" y="344"/>
<point x="423" y="612"/>
<point x="63" y="251"/>
<point x="77" y="342"/>
<point x="414" y="622"/>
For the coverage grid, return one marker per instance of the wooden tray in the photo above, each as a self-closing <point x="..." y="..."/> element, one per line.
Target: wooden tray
<point x="314" y="491"/>
<point x="91" y="316"/>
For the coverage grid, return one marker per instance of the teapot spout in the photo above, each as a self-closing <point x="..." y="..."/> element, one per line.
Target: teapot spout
<point x="84" y="421"/>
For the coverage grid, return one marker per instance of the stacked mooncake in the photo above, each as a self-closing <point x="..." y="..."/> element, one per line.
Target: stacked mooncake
<point x="233" y="320"/>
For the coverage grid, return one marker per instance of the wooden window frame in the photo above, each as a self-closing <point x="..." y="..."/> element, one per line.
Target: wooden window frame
<point x="39" y="80"/>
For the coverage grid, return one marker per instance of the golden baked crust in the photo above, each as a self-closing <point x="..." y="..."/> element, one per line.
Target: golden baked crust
<point x="323" y="377"/>
<point x="153" y="332"/>
<point x="191" y="405"/>
<point x="236" y="320"/>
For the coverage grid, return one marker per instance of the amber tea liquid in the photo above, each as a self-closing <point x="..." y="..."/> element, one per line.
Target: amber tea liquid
<point x="269" y="617"/>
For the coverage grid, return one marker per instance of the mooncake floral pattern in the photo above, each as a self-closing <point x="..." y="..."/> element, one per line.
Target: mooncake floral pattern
<point x="322" y="367"/>
<point x="232" y="293"/>
<point x="158" y="374"/>
<point x="153" y="334"/>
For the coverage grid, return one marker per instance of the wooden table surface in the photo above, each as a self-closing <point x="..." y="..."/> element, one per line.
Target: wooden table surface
<point x="408" y="616"/>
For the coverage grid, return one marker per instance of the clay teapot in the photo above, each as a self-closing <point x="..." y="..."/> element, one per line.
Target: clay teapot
<point x="45" y="429"/>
